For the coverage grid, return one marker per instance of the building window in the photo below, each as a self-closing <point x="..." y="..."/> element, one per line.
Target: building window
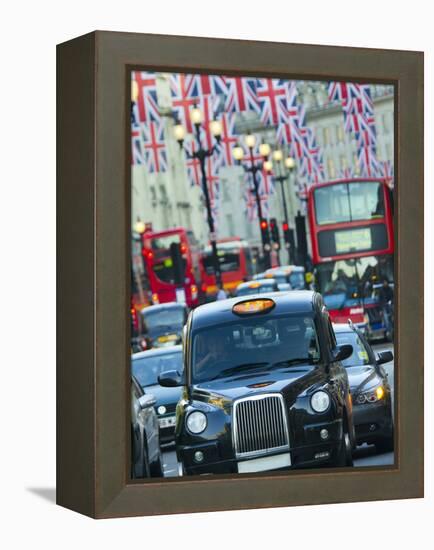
<point x="356" y="165"/>
<point x="331" y="168"/>
<point x="340" y="133"/>
<point x="343" y="162"/>
<point x="230" y="223"/>
<point x="326" y="135"/>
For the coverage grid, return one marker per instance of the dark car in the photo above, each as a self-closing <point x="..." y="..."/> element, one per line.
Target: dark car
<point x="145" y="438"/>
<point x="264" y="387"/>
<point x="146" y="367"/>
<point x="162" y="324"/>
<point x="370" y="389"/>
<point x="258" y="286"/>
<point x="288" y="277"/>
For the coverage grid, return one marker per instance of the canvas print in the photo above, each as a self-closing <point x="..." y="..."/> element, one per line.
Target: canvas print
<point x="262" y="274"/>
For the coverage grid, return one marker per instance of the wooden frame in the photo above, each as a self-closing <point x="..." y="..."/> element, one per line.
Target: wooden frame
<point x="93" y="274"/>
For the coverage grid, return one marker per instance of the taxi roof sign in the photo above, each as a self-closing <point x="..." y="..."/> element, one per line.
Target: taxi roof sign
<point x="248" y="307"/>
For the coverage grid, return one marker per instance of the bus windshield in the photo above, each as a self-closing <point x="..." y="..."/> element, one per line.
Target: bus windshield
<point x="346" y="283"/>
<point x="349" y="202"/>
<point x="229" y="260"/>
<point x="162" y="263"/>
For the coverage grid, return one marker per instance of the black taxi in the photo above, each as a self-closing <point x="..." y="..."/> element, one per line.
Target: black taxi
<point x="264" y="387"/>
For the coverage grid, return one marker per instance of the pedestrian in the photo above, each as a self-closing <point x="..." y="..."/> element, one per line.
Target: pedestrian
<point x="221" y="294"/>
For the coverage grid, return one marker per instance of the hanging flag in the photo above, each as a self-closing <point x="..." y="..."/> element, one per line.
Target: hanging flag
<point x="147" y="103"/>
<point x="181" y="89"/>
<point x="228" y="139"/>
<point x="154" y="147"/>
<point x="272" y="94"/>
<point x="137" y="153"/>
<point x="241" y="95"/>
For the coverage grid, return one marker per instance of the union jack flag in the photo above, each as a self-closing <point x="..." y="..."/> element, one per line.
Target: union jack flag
<point x="228" y="139"/>
<point x="251" y="206"/>
<point x="137" y="153"/>
<point x="154" y="146"/>
<point x="147" y="102"/>
<point x="367" y="162"/>
<point x="205" y="85"/>
<point x="343" y="91"/>
<point x="241" y="95"/>
<point x="181" y="89"/>
<point x="346" y="173"/>
<point x="273" y="100"/>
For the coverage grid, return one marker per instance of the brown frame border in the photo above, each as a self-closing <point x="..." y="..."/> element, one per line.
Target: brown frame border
<point x="93" y="278"/>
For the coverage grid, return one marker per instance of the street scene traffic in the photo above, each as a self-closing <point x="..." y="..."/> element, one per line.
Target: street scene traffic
<point x="262" y="275"/>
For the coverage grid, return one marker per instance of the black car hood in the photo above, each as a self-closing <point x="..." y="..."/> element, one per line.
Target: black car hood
<point x="286" y="380"/>
<point x="360" y="377"/>
<point x="164" y="396"/>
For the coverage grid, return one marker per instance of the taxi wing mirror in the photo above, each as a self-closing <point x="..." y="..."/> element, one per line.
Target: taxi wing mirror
<point x="147" y="400"/>
<point x="340" y="353"/>
<point x="384" y="357"/>
<point x="171" y="379"/>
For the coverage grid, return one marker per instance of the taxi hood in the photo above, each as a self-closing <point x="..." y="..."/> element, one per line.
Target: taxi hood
<point x="285" y="380"/>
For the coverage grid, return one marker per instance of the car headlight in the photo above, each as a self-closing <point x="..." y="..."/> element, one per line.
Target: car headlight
<point x="161" y="409"/>
<point x="196" y="422"/>
<point x="371" y="396"/>
<point x="320" y="401"/>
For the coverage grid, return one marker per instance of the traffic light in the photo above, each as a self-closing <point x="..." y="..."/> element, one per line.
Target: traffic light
<point x="265" y="233"/>
<point x="274" y="229"/>
<point x="286" y="234"/>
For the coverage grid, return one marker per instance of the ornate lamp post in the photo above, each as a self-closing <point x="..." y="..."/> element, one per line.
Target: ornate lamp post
<point x="283" y="171"/>
<point x="253" y="168"/>
<point x="201" y="154"/>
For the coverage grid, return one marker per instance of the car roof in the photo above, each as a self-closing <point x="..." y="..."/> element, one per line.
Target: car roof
<point x="299" y="301"/>
<point x="343" y="327"/>
<point x="162" y="307"/>
<point x="256" y="282"/>
<point x="153" y="352"/>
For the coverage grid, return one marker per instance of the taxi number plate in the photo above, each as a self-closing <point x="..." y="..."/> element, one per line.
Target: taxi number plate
<point x="264" y="463"/>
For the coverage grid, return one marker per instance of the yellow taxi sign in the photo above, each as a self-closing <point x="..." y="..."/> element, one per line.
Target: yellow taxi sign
<point x="248" y="307"/>
<point x="268" y="276"/>
<point x="254" y="285"/>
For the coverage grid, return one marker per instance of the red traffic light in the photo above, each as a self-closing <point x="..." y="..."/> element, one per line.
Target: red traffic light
<point x="285" y="226"/>
<point x="264" y="224"/>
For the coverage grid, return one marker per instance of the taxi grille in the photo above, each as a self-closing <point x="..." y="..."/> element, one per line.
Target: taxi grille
<point x="259" y="425"/>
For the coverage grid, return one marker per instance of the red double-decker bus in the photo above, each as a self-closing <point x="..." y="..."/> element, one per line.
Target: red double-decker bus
<point x="351" y="228"/>
<point x="235" y="262"/>
<point x="172" y="263"/>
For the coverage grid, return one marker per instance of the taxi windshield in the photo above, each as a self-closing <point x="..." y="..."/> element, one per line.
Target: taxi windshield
<point x="360" y="355"/>
<point x="249" y="344"/>
<point x="163" y="318"/>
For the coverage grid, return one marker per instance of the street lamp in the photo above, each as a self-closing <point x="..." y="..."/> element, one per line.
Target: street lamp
<point x="201" y="154"/>
<point x="282" y="173"/>
<point x="254" y="168"/>
<point x="139" y="227"/>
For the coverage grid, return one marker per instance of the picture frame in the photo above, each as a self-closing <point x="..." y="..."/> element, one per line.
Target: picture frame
<point x="93" y="227"/>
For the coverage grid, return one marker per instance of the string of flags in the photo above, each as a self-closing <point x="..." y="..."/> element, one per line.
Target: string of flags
<point x="275" y="103"/>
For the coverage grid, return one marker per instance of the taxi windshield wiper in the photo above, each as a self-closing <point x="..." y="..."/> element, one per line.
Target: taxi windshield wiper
<point x="296" y="361"/>
<point x="243" y="367"/>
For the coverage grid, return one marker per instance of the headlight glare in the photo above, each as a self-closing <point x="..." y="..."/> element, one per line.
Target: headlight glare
<point x="320" y="401"/>
<point x="196" y="422"/>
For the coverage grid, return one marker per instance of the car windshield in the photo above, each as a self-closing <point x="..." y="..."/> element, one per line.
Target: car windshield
<point x="147" y="368"/>
<point x="163" y="318"/>
<point x="297" y="279"/>
<point x="254" y="343"/>
<point x="247" y="290"/>
<point x="360" y="355"/>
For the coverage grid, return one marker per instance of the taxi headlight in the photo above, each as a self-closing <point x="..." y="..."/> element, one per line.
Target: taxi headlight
<point x="196" y="422"/>
<point x="320" y="401"/>
<point x="371" y="396"/>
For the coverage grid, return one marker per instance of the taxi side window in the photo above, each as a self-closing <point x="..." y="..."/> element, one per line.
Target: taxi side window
<point x="331" y="334"/>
